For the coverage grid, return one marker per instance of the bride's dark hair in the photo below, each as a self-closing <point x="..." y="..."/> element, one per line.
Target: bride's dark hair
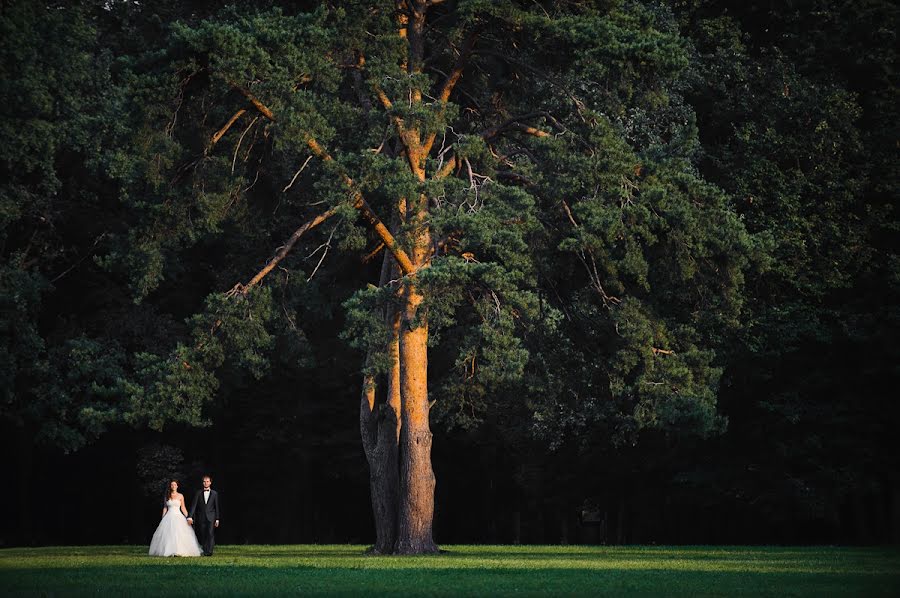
<point x="169" y="490"/>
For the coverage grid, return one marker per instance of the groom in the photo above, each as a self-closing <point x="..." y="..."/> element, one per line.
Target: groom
<point x="208" y="519"/>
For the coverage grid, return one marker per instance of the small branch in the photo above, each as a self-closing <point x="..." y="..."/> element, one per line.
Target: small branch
<point x="661" y="351"/>
<point x="373" y="254"/>
<point x="593" y="273"/>
<point x="521" y="150"/>
<point x="212" y="331"/>
<point x="256" y="178"/>
<point x="491" y="132"/>
<point x="476" y="181"/>
<point x="516" y="123"/>
<point x="472" y="183"/>
<point x="75" y="265"/>
<point x="288" y="186"/>
<point x="569" y="214"/>
<point x="180" y="100"/>
<point x="579" y="105"/>
<point x="324" y="253"/>
<point x="238" y="146"/>
<point x="287" y="278"/>
<point x="460" y="91"/>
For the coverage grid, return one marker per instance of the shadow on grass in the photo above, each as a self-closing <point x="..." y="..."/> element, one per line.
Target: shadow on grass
<point x="195" y="577"/>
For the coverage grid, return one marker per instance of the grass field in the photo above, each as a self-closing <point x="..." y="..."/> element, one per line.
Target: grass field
<point x="459" y="571"/>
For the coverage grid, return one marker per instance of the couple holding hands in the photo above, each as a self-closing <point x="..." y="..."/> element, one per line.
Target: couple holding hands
<point x="174" y="536"/>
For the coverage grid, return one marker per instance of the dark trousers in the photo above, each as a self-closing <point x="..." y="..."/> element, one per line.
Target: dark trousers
<point x="206" y="534"/>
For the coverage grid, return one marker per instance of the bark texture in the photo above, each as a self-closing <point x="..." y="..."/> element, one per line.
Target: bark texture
<point x="380" y="429"/>
<point x="417" y="481"/>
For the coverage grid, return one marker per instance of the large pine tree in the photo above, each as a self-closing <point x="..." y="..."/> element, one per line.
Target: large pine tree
<point x="495" y="152"/>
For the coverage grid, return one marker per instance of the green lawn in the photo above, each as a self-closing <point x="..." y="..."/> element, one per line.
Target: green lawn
<point x="461" y="570"/>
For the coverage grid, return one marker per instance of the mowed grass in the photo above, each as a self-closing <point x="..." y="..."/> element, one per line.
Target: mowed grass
<point x="458" y="571"/>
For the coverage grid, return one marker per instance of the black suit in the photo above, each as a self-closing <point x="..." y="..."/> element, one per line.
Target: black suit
<point x="204" y="524"/>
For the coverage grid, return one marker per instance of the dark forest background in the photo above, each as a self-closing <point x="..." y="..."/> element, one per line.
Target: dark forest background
<point x="793" y="116"/>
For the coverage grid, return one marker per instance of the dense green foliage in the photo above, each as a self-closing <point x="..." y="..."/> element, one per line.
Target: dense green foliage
<point x="789" y="132"/>
<point x="663" y="256"/>
<point x="460" y="571"/>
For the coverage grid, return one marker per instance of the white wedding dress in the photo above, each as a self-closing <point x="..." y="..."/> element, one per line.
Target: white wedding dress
<point x="174" y="536"/>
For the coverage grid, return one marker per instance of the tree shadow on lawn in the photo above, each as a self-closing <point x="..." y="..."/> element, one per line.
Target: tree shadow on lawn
<point x="195" y="577"/>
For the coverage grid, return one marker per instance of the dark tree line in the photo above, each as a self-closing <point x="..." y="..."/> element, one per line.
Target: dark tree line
<point x="631" y="263"/>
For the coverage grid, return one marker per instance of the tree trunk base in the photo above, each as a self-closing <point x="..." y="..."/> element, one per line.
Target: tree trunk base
<point x="375" y="551"/>
<point x="409" y="549"/>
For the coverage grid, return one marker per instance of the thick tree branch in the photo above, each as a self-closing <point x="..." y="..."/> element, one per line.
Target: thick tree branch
<point x="360" y="203"/>
<point x="218" y="134"/>
<point x="409" y="139"/>
<point x="262" y="108"/>
<point x="385" y="101"/>
<point x="282" y="253"/>
<point x="515" y="178"/>
<point x="516" y="121"/>
<point x="403" y="27"/>
<point x="415" y="34"/>
<point x="533" y="131"/>
<point x="445" y="170"/>
<point x="443" y="94"/>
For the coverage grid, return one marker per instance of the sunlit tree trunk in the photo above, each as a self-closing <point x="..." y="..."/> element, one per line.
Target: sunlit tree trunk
<point x="408" y="380"/>
<point x="396" y="432"/>
<point x="417" y="481"/>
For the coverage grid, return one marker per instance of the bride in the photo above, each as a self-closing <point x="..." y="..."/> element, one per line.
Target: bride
<point x="174" y="536"/>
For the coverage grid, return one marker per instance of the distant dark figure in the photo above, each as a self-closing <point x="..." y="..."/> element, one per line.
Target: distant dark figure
<point x="208" y="516"/>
